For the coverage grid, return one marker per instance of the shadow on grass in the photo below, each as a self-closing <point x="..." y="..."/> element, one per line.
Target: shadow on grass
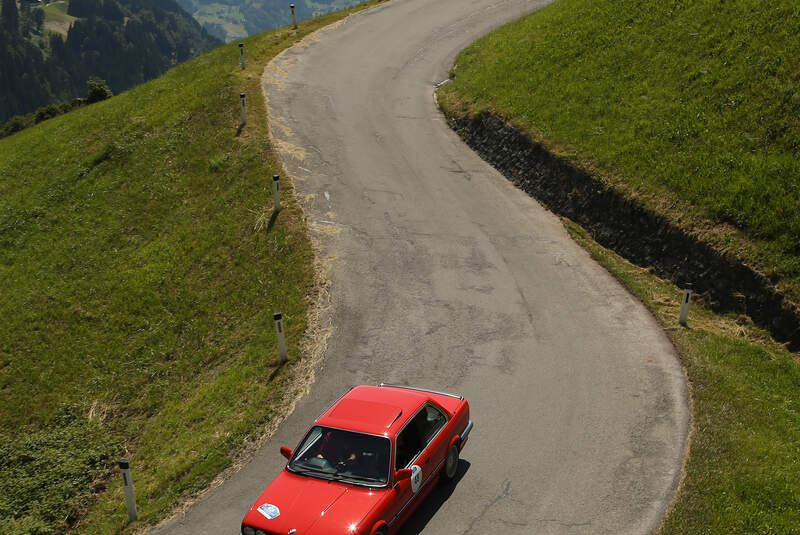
<point x="272" y="219"/>
<point x="428" y="508"/>
<point x="277" y="370"/>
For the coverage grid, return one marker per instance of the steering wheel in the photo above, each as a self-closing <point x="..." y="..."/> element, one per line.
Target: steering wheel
<point x="347" y="463"/>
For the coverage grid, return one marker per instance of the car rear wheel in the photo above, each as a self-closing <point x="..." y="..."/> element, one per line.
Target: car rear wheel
<point x="450" y="464"/>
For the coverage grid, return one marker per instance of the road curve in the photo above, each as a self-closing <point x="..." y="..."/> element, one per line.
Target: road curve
<point x="444" y="275"/>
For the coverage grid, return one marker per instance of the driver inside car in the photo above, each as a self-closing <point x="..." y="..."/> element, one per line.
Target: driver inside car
<point x="337" y="450"/>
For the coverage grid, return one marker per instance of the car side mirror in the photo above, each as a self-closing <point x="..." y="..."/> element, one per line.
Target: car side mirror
<point x="403" y="474"/>
<point x="286" y="452"/>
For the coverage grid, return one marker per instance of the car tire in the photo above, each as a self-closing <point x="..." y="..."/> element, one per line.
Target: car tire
<point x="380" y="531"/>
<point x="450" y="464"/>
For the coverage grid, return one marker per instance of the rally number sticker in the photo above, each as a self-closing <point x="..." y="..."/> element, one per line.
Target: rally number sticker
<point x="416" y="478"/>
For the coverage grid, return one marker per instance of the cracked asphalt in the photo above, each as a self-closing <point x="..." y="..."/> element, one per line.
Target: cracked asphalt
<point x="444" y="275"/>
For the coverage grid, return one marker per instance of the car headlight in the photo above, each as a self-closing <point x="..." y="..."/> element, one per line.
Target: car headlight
<point x="247" y="530"/>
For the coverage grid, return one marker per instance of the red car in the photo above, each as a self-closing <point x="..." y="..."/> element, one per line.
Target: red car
<point x="365" y="465"/>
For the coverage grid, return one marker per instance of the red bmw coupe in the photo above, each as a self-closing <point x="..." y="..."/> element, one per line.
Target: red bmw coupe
<point x="365" y="465"/>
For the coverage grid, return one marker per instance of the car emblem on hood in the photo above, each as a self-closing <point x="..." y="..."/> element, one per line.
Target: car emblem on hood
<point x="268" y="510"/>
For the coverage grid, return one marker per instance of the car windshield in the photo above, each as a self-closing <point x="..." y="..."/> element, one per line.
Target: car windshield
<point x="331" y="453"/>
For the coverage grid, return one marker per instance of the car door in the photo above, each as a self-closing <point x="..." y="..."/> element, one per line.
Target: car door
<point x="429" y="421"/>
<point x="415" y="448"/>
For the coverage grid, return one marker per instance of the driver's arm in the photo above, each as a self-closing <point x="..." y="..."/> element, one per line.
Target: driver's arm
<point x="324" y="447"/>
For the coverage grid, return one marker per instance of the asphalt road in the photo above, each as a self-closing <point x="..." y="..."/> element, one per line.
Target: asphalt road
<point x="444" y="275"/>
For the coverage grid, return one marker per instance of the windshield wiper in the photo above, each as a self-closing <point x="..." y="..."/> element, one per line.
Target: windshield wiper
<point x="335" y="476"/>
<point x="309" y="471"/>
<point x="366" y="478"/>
<point x="358" y="478"/>
<point x="338" y="475"/>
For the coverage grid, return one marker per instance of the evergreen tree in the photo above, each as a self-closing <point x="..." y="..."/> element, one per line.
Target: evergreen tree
<point x="112" y="11"/>
<point x="38" y="19"/>
<point x="10" y="16"/>
<point x="27" y="22"/>
<point x="85" y="8"/>
<point x="37" y="71"/>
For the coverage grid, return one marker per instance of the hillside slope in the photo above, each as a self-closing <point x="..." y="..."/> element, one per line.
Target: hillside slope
<point x="690" y="107"/>
<point x="124" y="42"/>
<point x="140" y="268"/>
<point x="234" y="19"/>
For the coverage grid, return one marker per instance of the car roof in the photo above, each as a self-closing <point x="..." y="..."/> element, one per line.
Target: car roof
<point x="378" y="410"/>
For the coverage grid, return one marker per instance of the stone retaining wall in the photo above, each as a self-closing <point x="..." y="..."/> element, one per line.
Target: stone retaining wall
<point x="624" y="226"/>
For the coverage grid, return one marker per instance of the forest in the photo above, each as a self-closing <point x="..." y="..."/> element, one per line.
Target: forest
<point x="124" y="42"/>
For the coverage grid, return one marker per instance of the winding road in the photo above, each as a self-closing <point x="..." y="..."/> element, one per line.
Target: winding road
<point x="444" y="275"/>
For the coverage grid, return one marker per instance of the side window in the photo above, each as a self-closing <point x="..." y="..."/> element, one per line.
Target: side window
<point x="434" y="420"/>
<point x="409" y="445"/>
<point x="417" y="434"/>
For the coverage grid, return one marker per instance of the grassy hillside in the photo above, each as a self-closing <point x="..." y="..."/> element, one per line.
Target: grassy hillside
<point x="233" y="19"/>
<point x="225" y="22"/>
<point x="692" y="107"/>
<point x="139" y="271"/>
<point x="56" y="18"/>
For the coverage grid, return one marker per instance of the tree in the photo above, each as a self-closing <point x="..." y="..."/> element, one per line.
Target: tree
<point x="97" y="90"/>
<point x="124" y="44"/>
<point x="57" y="47"/>
<point x="27" y="22"/>
<point x="85" y="8"/>
<point x="38" y="18"/>
<point x="112" y="11"/>
<point x="15" y="124"/>
<point x="10" y="16"/>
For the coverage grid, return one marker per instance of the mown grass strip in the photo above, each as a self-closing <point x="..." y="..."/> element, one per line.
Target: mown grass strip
<point x="691" y="107"/>
<point x="139" y="282"/>
<point x="742" y="475"/>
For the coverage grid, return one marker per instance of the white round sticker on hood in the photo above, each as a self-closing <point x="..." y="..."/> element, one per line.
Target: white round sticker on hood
<point x="268" y="510"/>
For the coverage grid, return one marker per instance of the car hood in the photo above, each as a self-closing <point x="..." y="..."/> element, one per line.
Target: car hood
<point x="312" y="506"/>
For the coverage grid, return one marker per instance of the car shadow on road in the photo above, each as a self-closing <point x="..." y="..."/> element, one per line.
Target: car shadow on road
<point x="417" y="522"/>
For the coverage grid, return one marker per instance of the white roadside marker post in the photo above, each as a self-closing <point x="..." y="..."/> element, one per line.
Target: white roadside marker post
<point x="244" y="108"/>
<point x="687" y="292"/>
<point x="294" y="16"/>
<point x="278" y="317"/>
<point x="241" y="54"/>
<point x="127" y="486"/>
<point x="276" y="193"/>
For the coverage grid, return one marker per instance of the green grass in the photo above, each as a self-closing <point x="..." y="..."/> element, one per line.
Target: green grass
<point x="691" y="107"/>
<point x="743" y="470"/>
<point x="139" y="281"/>
<point x="60" y="6"/>
<point x="56" y="18"/>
